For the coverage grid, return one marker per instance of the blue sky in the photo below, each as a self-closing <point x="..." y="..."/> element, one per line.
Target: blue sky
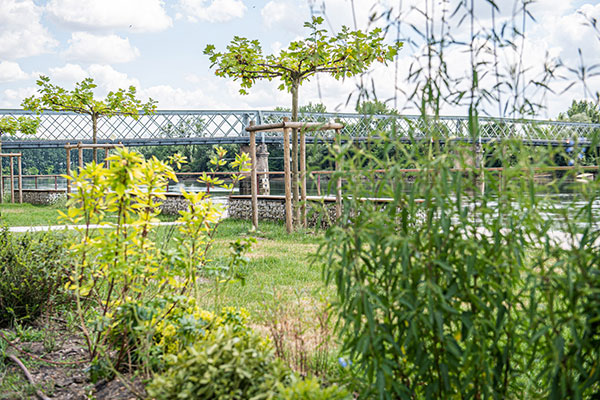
<point x="157" y="46"/>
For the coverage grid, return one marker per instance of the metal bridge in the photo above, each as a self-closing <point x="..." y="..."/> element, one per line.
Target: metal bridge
<point x="213" y="127"/>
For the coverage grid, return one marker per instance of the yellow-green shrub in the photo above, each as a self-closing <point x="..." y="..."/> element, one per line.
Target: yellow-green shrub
<point x="223" y="365"/>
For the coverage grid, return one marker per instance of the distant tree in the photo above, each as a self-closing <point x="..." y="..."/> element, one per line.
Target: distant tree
<point x="582" y="111"/>
<point x="375" y="107"/>
<point x="81" y="100"/>
<point x="346" y="54"/>
<point x="14" y="125"/>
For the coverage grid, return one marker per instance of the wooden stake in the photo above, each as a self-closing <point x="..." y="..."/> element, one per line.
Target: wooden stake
<point x="68" y="148"/>
<point x="1" y="181"/>
<point x="106" y="157"/>
<point x="287" y="179"/>
<point x="80" y="153"/>
<point x="20" y="181"/>
<point x="254" y="179"/>
<point x="12" y="181"/>
<point x="303" y="176"/>
<point x="338" y="192"/>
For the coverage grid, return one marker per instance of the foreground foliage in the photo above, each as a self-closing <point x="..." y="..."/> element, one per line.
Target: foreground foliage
<point x="451" y="292"/>
<point x="32" y="275"/>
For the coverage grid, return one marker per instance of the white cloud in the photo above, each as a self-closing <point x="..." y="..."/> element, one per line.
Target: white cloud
<point x="21" y="33"/>
<point x="212" y="10"/>
<point x="12" y="98"/>
<point x="89" y="48"/>
<point x="135" y="15"/>
<point x="11" y="71"/>
<point x="105" y="76"/>
<point x="68" y="73"/>
<point x="285" y="14"/>
<point x="110" y="79"/>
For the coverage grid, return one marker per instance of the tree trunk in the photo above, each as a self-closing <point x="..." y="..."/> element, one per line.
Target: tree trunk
<point x="94" y="134"/>
<point x="295" y="191"/>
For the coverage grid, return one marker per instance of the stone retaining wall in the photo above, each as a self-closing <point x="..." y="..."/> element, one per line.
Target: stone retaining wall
<point x="171" y="205"/>
<point x="273" y="209"/>
<point x="43" y="197"/>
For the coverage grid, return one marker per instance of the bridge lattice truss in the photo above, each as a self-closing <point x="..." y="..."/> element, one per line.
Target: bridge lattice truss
<point x="212" y="127"/>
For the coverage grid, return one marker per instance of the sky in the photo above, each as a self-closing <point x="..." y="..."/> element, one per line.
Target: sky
<point x="157" y="46"/>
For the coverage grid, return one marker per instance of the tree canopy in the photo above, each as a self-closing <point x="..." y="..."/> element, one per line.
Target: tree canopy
<point x="81" y="100"/>
<point x="582" y="111"/>
<point x="344" y="55"/>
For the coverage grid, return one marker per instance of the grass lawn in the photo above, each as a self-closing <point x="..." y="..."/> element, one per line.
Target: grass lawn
<point x="279" y="266"/>
<point x="29" y="215"/>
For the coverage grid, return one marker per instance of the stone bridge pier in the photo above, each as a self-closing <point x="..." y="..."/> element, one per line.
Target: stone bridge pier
<point x="262" y="165"/>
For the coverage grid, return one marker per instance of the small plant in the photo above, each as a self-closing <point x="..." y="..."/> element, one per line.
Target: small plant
<point x="224" y="365"/>
<point x="310" y="389"/>
<point x="301" y="333"/>
<point x="32" y="275"/>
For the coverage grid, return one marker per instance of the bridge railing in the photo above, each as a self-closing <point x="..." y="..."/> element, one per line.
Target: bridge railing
<point x="176" y="126"/>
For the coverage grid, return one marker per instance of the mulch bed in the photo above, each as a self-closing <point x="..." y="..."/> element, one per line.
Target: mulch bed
<point x="63" y="381"/>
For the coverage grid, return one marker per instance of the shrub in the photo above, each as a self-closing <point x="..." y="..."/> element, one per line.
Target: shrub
<point x="224" y="365"/>
<point x="149" y="330"/>
<point x="449" y="291"/>
<point x="32" y="274"/>
<point x="310" y="389"/>
<point x="114" y="265"/>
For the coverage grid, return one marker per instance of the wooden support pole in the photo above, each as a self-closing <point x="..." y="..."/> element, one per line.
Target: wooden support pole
<point x="55" y="182"/>
<point x="287" y="179"/>
<point x="20" y="180"/>
<point x="254" y="179"/>
<point x="80" y="154"/>
<point x="68" y="147"/>
<point x="338" y="192"/>
<point x="106" y="157"/>
<point x="318" y="184"/>
<point x="1" y="182"/>
<point x="303" y="177"/>
<point x="12" y="181"/>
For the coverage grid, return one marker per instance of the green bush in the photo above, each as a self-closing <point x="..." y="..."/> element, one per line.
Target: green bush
<point x="224" y="365"/>
<point x="32" y="274"/>
<point x="310" y="389"/>
<point x="451" y="292"/>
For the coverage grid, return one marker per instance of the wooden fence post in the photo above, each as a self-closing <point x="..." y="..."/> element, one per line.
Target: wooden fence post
<point x="68" y="147"/>
<point x="20" y="180"/>
<point x="12" y="181"/>
<point x="287" y="177"/>
<point x="80" y="153"/>
<point x="338" y="192"/>
<point x="303" y="176"/>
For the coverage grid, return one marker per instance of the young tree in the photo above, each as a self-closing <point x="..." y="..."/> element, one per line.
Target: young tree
<point x="12" y="125"/>
<point x="81" y="100"/>
<point x="344" y="55"/>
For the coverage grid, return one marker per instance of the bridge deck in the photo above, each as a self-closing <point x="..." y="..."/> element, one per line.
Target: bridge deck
<point x="216" y="127"/>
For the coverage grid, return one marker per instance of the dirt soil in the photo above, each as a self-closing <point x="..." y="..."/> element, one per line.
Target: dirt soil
<point x="64" y="381"/>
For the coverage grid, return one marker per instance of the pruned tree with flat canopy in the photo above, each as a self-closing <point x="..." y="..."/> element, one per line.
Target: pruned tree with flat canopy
<point x="81" y="101"/>
<point x="344" y="55"/>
